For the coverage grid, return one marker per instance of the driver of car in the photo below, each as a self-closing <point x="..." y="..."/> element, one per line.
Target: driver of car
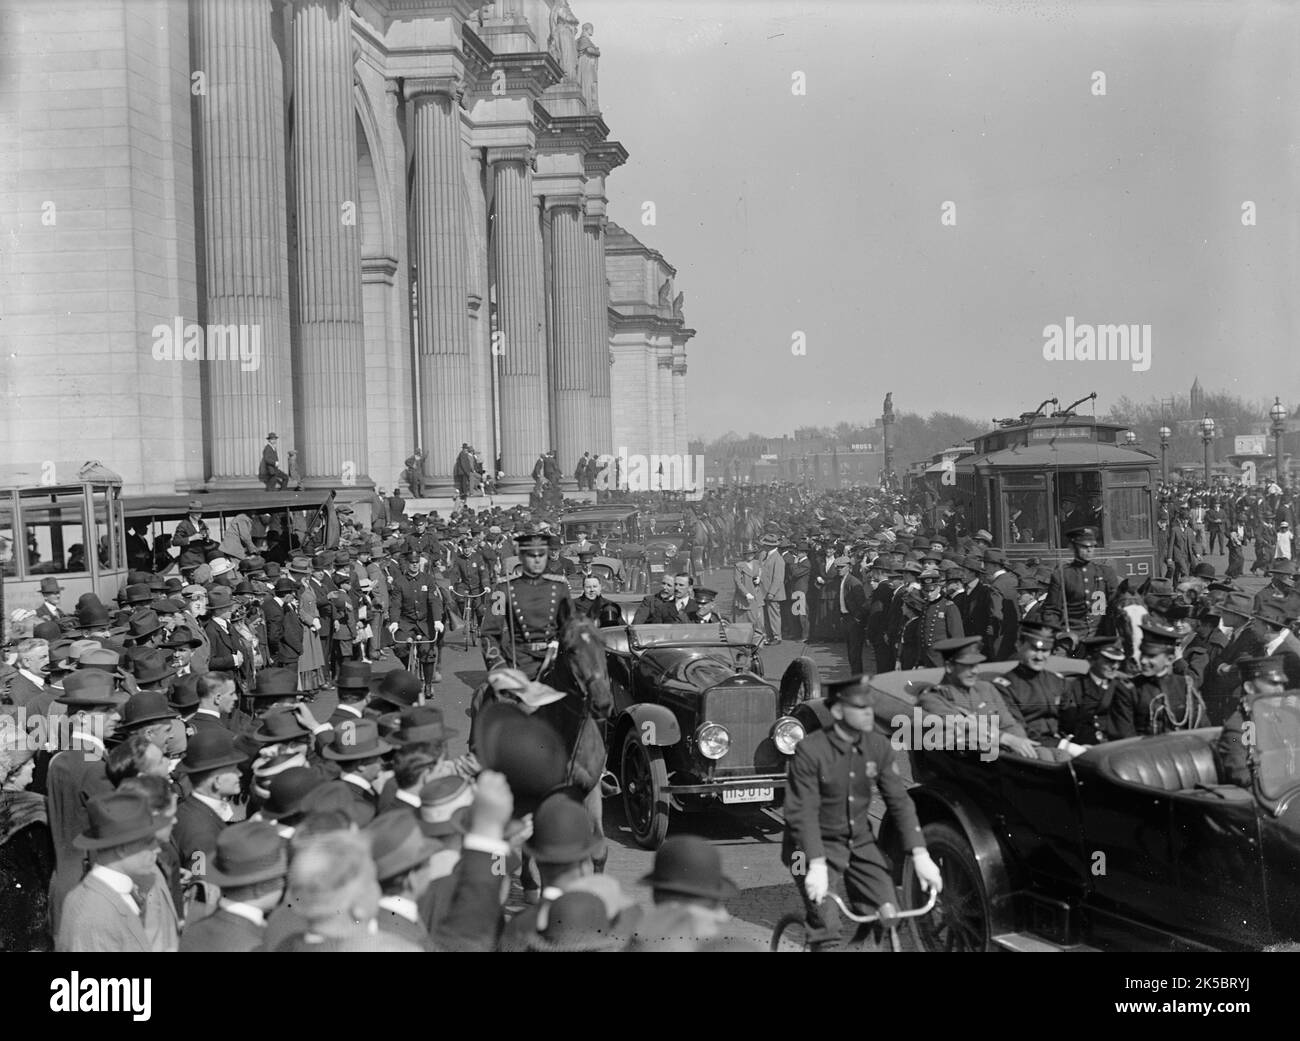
<point x="961" y="693"/>
<point x="830" y="784"/>
<point x="1259" y="676"/>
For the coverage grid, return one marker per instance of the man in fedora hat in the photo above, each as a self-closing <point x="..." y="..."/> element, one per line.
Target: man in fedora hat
<point x="212" y="764"/>
<point x="1260" y="676"/>
<point x="192" y="528"/>
<point x="227" y="651"/>
<point x="1281" y="574"/>
<point x="403" y="865"/>
<point x="1081" y="592"/>
<point x="1161" y="700"/>
<point x="355" y="745"/>
<point x="123" y="904"/>
<point x="51" y="593"/>
<point x="284" y="627"/>
<point x="771" y="585"/>
<point x="1222" y="680"/>
<point x="1272" y="624"/>
<point x="746" y="605"/>
<point x="76" y="774"/>
<point x="268" y="471"/>
<point x="832" y="779"/>
<point x="690" y="892"/>
<point x="250" y="867"/>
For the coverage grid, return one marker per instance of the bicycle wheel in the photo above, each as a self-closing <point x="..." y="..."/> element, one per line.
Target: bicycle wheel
<point x="790" y="934"/>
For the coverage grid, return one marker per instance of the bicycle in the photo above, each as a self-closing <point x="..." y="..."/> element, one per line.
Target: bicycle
<point x="793" y="927"/>
<point x="467" y="602"/>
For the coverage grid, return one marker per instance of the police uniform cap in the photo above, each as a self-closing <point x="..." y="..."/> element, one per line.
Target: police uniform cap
<point x="704" y="595"/>
<point x="1158" y="634"/>
<point x="960" y="650"/>
<point x="1038" y="633"/>
<point x="855" y="690"/>
<point x="1269" y="669"/>
<point x="1085" y="536"/>
<point x="1106" y="646"/>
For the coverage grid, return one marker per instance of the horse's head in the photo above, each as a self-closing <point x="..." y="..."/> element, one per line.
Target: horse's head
<point x="584" y="653"/>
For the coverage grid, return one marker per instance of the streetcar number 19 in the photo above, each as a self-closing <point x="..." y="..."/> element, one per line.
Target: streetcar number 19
<point x="1143" y="568"/>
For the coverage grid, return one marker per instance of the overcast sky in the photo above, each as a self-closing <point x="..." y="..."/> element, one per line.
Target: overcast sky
<point x="821" y="213"/>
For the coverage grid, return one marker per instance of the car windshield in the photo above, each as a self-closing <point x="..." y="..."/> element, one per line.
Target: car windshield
<point x="1277" y="737"/>
<point x="596" y="530"/>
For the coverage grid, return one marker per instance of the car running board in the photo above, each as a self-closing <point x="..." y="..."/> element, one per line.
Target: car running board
<point x="1028" y="943"/>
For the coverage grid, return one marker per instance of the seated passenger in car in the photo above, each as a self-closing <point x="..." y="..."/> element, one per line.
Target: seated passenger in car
<point x="1259" y="676"/>
<point x="1084" y="715"/>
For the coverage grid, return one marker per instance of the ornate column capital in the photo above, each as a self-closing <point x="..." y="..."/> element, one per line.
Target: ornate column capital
<point x="449" y="86"/>
<point x="512" y="154"/>
<point x="679" y="367"/>
<point x="564" y="201"/>
<point x="665" y="363"/>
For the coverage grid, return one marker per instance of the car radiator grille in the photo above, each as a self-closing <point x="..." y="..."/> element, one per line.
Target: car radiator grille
<point x="748" y="713"/>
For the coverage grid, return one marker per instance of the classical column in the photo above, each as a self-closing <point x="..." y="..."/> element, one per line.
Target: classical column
<point x="522" y="352"/>
<point x="596" y="347"/>
<point x="242" y="153"/>
<point x="665" y="415"/>
<point x="679" y="404"/>
<point x="570" y="368"/>
<point x="441" y="274"/>
<point x="332" y="371"/>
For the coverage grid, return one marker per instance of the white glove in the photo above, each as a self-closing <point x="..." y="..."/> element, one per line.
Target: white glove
<point x="239" y="658"/>
<point x="1074" y="749"/>
<point x="392" y="629"/>
<point x="315" y="625"/>
<point x="817" y="883"/>
<point x="927" y="870"/>
<point x="437" y="627"/>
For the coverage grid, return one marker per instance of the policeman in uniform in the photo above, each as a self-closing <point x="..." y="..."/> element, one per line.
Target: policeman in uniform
<point x="1081" y="592"/>
<point x="1032" y="689"/>
<point x="1084" y="715"/>
<point x="1159" y="701"/>
<point x="470" y="577"/>
<point x="831" y="781"/>
<point x="527" y="612"/>
<point x="1260" y="676"/>
<point x="418" y="613"/>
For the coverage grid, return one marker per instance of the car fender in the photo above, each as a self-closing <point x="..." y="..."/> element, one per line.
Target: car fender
<point x="940" y="803"/>
<point x="655" y="723"/>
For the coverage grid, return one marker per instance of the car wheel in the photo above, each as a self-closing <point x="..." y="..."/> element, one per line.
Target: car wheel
<point x="644" y="778"/>
<point x="801" y="682"/>
<point x="960" y="920"/>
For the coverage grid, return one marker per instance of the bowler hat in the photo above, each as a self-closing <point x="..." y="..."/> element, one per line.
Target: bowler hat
<point x="688" y="865"/>
<point x="398" y="688"/>
<point x="144" y="708"/>
<point x="116" y="819"/>
<point x="563" y="832"/>
<point x="210" y="749"/>
<point x="51" y="585"/>
<point x="356" y="740"/>
<point x="1204" y="570"/>
<point x="288" y="790"/>
<point x="576" y="922"/>
<point x="397" y="844"/>
<point x="248" y="852"/>
<point x="278" y="725"/>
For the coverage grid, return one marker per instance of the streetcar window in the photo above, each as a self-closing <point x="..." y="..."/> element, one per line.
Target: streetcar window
<point x="1079" y="502"/>
<point x="8" y="547"/>
<point x="1128" y="513"/>
<point x="54" y="532"/>
<point x="107" y="546"/>
<point x="1026" y="517"/>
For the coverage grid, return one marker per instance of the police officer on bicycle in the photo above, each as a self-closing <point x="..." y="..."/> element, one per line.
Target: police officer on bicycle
<point x="828" y="834"/>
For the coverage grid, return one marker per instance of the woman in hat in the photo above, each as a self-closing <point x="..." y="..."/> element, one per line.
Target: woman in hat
<point x="312" y="673"/>
<point x="26" y="851"/>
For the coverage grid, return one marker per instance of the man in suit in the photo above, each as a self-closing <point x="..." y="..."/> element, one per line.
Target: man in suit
<point x="1222" y="678"/>
<point x="594" y="607"/>
<point x="51" y="593"/>
<point x="283" y="625"/>
<point x="853" y="614"/>
<point x="415" y="476"/>
<point x="1206" y="645"/>
<point x="250" y="866"/>
<point x="218" y="701"/>
<point x="27" y="688"/>
<point x="403" y="864"/>
<point x="1182" y="550"/>
<point x="1004" y="610"/>
<point x="771" y="585"/>
<point x="269" y="471"/>
<point x="76" y="774"/>
<point x="686" y="606"/>
<point x="1272" y="628"/>
<point x="212" y="765"/>
<point x="464" y="472"/>
<point x="358" y="750"/>
<point x="658" y="608"/>
<point x="798" y="576"/>
<point x="745" y="605"/>
<point x="226" y="649"/>
<point x="123" y="904"/>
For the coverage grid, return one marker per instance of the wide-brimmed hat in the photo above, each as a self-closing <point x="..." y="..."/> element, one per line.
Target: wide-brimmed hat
<point x="152" y="668"/>
<point x="577" y="923"/>
<point x="398" y="687"/>
<point x="1281" y="566"/>
<point x="279" y="725"/>
<point x="184" y="694"/>
<point x="563" y="832"/>
<point x="690" y="866"/>
<point x="138" y="593"/>
<point x="1237" y="604"/>
<point x="116" y="819"/>
<point x="89" y="689"/>
<point x="417" y="725"/>
<point x="179" y="638"/>
<point x="275" y="683"/>
<point x="288" y="790"/>
<point x="527" y="750"/>
<point x="397" y="844"/>
<point x="220" y="598"/>
<point x="210" y="749"/>
<point x="147" y="707"/>
<point x="248" y="852"/>
<point x="51" y="585"/>
<point x="220" y="566"/>
<point x="445" y="804"/>
<point x="357" y="739"/>
<point x="93" y="615"/>
<point x="353" y="675"/>
<point x="1273" y="613"/>
<point x="300" y="566"/>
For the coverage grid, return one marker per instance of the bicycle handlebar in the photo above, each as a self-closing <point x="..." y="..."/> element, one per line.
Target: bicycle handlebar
<point x="869" y="918"/>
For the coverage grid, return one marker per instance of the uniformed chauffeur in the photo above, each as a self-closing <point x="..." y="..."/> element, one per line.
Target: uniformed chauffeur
<point x="829" y="788"/>
<point x="1160" y="700"/>
<point x="1081" y="592"/>
<point x="527" y="612"/>
<point x="1031" y="688"/>
<point x="1260" y="676"/>
<point x="1084" y="715"/>
<point x="961" y="693"/>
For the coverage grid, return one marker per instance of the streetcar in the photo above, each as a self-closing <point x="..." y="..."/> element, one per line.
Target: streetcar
<point x="1041" y="475"/>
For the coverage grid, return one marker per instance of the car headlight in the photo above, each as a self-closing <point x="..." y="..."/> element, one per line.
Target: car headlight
<point x="787" y="733"/>
<point x="713" y="740"/>
<point x="670" y="551"/>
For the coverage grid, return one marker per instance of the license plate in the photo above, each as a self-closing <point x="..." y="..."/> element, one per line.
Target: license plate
<point x="656" y="567"/>
<point x="748" y="794"/>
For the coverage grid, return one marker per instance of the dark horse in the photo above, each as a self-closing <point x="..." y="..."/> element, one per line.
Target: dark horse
<point x="579" y="671"/>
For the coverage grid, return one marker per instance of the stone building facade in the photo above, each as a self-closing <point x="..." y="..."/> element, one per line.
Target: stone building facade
<point x="395" y="208"/>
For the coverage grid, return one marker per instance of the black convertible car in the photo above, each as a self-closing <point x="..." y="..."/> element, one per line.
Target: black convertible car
<point x="1134" y="845"/>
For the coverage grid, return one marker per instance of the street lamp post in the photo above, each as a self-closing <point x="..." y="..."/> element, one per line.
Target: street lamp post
<point x="1207" y="435"/>
<point x="1278" y="414"/>
<point x="1165" y="435"/>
